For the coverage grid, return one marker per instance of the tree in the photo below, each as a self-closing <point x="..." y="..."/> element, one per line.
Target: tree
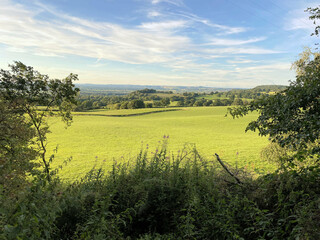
<point x="208" y="103"/>
<point x="124" y="105"/>
<point x="24" y="89"/>
<point x="137" y="103"/>
<point x="16" y="155"/>
<point x="291" y="118"/>
<point x="165" y="101"/>
<point x="198" y="103"/>
<point x="149" y="105"/>
<point x="237" y="101"/>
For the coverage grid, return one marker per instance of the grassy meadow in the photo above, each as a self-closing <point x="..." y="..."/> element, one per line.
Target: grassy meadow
<point x="124" y="112"/>
<point x="97" y="140"/>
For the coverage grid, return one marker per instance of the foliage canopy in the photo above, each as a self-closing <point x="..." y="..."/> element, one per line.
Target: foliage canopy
<point x="23" y="90"/>
<point x="291" y="117"/>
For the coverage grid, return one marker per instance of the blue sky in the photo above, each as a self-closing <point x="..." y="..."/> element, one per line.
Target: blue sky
<point x="217" y="43"/>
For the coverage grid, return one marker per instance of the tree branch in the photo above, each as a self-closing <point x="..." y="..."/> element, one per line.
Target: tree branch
<point x="42" y="142"/>
<point x="228" y="171"/>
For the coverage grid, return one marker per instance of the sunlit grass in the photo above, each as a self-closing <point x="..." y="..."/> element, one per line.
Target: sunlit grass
<point x="96" y="140"/>
<point x="124" y="112"/>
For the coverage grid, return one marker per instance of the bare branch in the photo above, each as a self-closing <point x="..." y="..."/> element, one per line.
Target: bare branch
<point x="228" y="171"/>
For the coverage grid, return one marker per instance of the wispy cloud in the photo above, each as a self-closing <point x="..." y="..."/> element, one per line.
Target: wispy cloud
<point x="224" y="29"/>
<point x="71" y="35"/>
<point x="163" y="41"/>
<point x="298" y="19"/>
<point x="174" y="2"/>
<point x="164" y="26"/>
<point x="274" y="73"/>
<point x="149" y="42"/>
<point x="242" y="61"/>
<point x="299" y="23"/>
<point x="242" y="50"/>
<point x="233" y="42"/>
<point x="153" y="14"/>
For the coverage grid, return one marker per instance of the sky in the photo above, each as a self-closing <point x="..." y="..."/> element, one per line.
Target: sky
<point x="213" y="43"/>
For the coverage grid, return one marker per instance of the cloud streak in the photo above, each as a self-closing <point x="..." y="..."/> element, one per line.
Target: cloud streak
<point x="163" y="41"/>
<point x="178" y="3"/>
<point x="149" y="42"/>
<point x="225" y="30"/>
<point x="233" y="42"/>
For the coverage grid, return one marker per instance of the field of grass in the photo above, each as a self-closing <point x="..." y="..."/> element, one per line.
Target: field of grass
<point x="98" y="140"/>
<point x="124" y="112"/>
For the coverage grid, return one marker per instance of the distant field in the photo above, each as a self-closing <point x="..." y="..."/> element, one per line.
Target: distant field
<point x="125" y="112"/>
<point x="98" y="140"/>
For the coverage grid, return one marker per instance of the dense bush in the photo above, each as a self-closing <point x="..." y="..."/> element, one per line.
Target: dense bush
<point x="165" y="196"/>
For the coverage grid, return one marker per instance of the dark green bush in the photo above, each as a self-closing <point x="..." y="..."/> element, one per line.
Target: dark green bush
<point x="163" y="196"/>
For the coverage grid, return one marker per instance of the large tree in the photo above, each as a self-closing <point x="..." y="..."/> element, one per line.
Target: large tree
<point x="291" y="117"/>
<point x="34" y="96"/>
<point x="15" y="153"/>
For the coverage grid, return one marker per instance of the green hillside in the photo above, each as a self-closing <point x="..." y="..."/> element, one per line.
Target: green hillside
<point x="96" y="140"/>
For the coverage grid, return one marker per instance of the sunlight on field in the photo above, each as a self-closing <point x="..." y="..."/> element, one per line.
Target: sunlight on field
<point x="98" y="140"/>
<point x="125" y="112"/>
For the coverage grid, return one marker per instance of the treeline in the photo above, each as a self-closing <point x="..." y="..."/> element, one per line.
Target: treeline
<point x="149" y="98"/>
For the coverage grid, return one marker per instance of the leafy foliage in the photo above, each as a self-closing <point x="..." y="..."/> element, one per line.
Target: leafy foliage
<point x="16" y="155"/>
<point x="291" y="117"/>
<point x="315" y="14"/>
<point x="164" y="196"/>
<point x="25" y="89"/>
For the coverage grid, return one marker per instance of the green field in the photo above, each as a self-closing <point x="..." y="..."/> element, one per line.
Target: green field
<point x="124" y="112"/>
<point x="98" y="140"/>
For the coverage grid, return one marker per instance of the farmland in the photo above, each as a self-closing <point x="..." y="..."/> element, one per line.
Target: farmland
<point x="97" y="140"/>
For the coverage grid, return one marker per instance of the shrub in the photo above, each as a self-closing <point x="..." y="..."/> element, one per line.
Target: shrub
<point x="166" y="196"/>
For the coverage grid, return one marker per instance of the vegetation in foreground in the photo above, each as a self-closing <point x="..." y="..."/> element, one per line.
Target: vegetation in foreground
<point x="161" y="196"/>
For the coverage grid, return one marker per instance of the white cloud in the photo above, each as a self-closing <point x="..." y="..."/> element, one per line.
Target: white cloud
<point x="15" y="49"/>
<point x="242" y="61"/>
<point x="70" y="35"/>
<point x="174" y="2"/>
<point x="233" y="42"/>
<point x="300" y="23"/>
<point x="299" y="19"/>
<point x="163" y="26"/>
<point x="274" y="73"/>
<point x="225" y="30"/>
<point x="153" y="14"/>
<point x="164" y="43"/>
<point x="242" y="50"/>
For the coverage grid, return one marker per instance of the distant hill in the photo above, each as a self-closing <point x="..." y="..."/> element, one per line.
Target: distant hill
<point x="117" y="89"/>
<point x="269" y="88"/>
<point x="121" y="89"/>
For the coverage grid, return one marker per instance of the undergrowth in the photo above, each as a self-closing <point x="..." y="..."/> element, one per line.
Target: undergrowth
<point x="165" y="196"/>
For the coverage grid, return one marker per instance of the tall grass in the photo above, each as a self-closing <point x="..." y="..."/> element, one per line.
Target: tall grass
<point x="165" y="196"/>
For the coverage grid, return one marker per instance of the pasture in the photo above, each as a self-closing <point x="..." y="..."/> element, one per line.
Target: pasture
<point x="97" y="140"/>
